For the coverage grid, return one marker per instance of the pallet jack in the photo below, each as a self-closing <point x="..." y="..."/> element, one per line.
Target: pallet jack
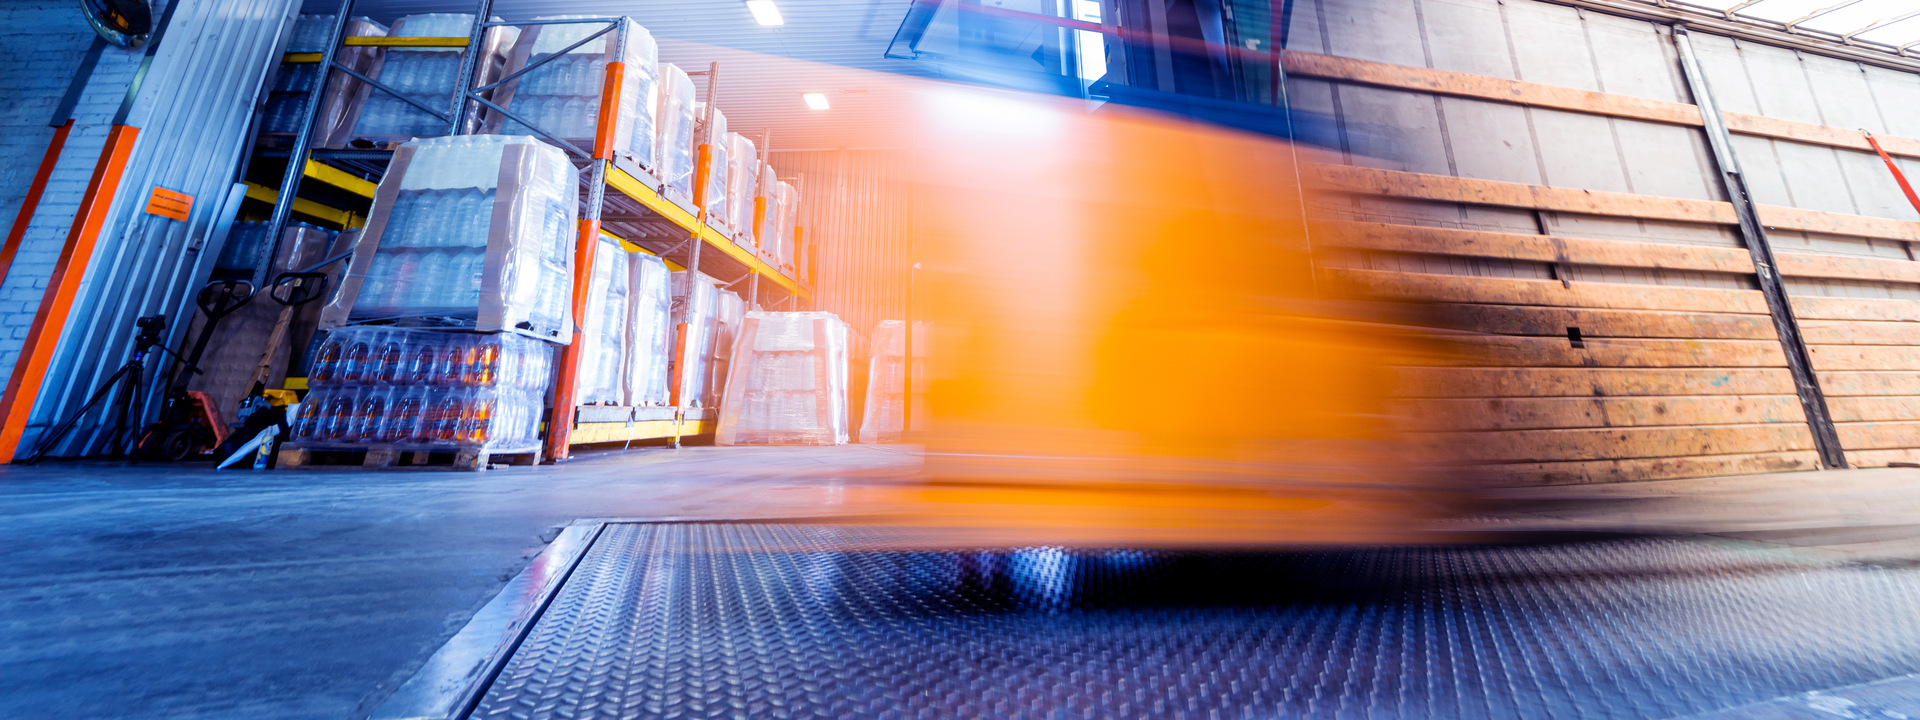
<point x="188" y="424"/>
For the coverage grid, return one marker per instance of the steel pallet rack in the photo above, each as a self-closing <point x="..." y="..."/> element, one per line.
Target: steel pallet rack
<point x="640" y="213"/>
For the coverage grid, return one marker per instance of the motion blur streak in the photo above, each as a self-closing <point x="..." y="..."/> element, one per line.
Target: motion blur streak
<point x="1130" y="342"/>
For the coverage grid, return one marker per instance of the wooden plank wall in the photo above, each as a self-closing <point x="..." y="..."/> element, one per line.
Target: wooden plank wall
<point x="1520" y="170"/>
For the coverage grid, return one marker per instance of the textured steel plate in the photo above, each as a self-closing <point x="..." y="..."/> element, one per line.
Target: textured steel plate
<point x="753" y="620"/>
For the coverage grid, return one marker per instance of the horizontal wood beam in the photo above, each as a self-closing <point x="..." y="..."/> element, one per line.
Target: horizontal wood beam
<point x="1591" y="102"/>
<point x="1615" y="471"/>
<point x="1553" y="322"/>
<point x="1617" y="443"/>
<point x="1599" y="412"/>
<point x="1476" y="191"/>
<point x="1512" y="351"/>
<point x="1507" y="291"/>
<point x="1459" y="382"/>
<point x="1619" y="253"/>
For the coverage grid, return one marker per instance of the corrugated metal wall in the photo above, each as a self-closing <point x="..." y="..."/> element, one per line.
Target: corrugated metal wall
<point x="193" y="111"/>
<point x="1527" y="169"/>
<point x="854" y="207"/>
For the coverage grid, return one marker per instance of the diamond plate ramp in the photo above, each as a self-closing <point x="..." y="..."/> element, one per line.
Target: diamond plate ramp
<point x="810" y="621"/>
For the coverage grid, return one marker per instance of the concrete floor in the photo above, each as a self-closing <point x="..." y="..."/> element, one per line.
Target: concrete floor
<point x="148" y="592"/>
<point x="157" y="591"/>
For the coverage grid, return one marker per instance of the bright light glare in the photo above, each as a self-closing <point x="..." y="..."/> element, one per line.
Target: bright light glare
<point x="765" y="13"/>
<point x="817" y="101"/>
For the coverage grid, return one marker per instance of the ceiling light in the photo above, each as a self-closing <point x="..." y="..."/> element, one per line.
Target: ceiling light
<point x="765" y="12"/>
<point x="817" y="101"/>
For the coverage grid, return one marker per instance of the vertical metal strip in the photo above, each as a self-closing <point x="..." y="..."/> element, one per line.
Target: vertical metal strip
<point x="566" y="385"/>
<point x="469" y="66"/>
<point x="32" y="201"/>
<point x="302" y="142"/>
<point x="1825" y="439"/>
<point x="36" y="353"/>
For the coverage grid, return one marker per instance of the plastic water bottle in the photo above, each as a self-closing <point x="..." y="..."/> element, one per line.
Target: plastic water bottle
<point x="326" y="367"/>
<point x="355" y="365"/>
<point x="368" y="418"/>
<point x="428" y="284"/>
<point x="393" y="361"/>
<point x="378" y="284"/>
<point x="403" y="419"/>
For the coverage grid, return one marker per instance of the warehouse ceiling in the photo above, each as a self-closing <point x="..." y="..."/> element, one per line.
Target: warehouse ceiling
<point x="1890" y="25"/>
<point x="840" y="42"/>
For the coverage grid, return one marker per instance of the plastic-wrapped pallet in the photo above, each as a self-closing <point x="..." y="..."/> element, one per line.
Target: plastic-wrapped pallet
<point x="649" y="331"/>
<point x="743" y="177"/>
<point x="424" y="390"/>
<point x="425" y="75"/>
<point x="777" y="221"/>
<point x="788" y="382"/>
<point x="603" y="362"/>
<point x="673" y="146"/>
<point x="789" y="226"/>
<point x="562" y="96"/>
<point x="729" y="311"/>
<point x="341" y="103"/>
<point x="471" y="231"/>
<point x="301" y="245"/>
<point x="715" y="136"/>
<point x="887" y="382"/>
<point x="766" y="211"/>
<point x="694" y="305"/>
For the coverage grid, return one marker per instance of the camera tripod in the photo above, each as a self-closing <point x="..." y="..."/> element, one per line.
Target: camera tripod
<point x="128" y="380"/>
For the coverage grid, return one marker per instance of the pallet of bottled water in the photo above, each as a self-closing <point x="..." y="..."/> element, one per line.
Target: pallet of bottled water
<point x="472" y="231"/>
<point x="562" y="92"/>
<point x="404" y="390"/>
<point x="426" y="76"/>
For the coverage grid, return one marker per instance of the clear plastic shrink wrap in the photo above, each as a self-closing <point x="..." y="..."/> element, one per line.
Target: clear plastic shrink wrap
<point x="472" y="231"/>
<point x="341" y="102"/>
<point x="649" y="331"/>
<point x="425" y="75"/>
<point x="788" y="227"/>
<point x="777" y="221"/>
<point x="887" y="382"/>
<point x="729" y="311"/>
<point x="788" y="382"/>
<point x="694" y="301"/>
<point x="394" y="388"/>
<point x="766" y="212"/>
<point x="563" y="96"/>
<point x="603" y="361"/>
<point x="301" y="245"/>
<point x="717" y="169"/>
<point x="743" y="178"/>
<point x="673" y="146"/>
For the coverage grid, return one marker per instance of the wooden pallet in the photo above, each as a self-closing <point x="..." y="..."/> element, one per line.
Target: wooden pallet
<point x="469" y="460"/>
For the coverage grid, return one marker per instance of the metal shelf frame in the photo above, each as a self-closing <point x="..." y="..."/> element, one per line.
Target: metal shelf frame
<point x="645" y="217"/>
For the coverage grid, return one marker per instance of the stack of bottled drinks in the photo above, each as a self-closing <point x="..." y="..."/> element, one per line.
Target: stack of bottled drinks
<point x="454" y="246"/>
<point x="401" y="389"/>
<point x="561" y="94"/>
<point x="424" y="75"/>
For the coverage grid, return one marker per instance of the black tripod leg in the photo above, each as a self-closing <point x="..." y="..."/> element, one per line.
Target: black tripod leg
<point x="109" y="386"/>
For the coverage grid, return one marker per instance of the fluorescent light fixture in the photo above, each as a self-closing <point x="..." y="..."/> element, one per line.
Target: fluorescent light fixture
<point x="765" y="12"/>
<point x="817" y="101"/>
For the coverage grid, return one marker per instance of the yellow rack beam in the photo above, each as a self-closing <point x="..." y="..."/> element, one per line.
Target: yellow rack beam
<point x="341" y="179"/>
<point x="630" y="247"/>
<point x="298" y="58"/>
<point x="630" y="186"/>
<point x="613" y="432"/>
<point x="344" y="218"/>
<point x="406" y="42"/>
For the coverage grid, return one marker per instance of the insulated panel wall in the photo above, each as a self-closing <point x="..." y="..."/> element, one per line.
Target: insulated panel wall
<point x="853" y="210"/>
<point x="1534" y="181"/>
<point x="193" y="109"/>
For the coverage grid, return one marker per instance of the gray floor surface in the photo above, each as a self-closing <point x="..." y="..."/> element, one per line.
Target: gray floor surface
<point x="172" y="592"/>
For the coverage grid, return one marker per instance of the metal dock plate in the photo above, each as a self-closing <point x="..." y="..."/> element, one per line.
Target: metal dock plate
<point x="695" y="620"/>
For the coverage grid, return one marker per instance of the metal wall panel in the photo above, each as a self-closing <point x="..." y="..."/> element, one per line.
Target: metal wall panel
<point x="854" y="206"/>
<point x="193" y="109"/>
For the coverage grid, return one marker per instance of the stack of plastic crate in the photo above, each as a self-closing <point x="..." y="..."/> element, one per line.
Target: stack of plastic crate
<point x="788" y="381"/>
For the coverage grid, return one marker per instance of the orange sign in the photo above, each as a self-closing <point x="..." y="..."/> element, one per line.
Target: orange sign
<point x="169" y="204"/>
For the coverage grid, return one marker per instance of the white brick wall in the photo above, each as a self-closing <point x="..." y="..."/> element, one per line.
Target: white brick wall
<point x="41" y="45"/>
